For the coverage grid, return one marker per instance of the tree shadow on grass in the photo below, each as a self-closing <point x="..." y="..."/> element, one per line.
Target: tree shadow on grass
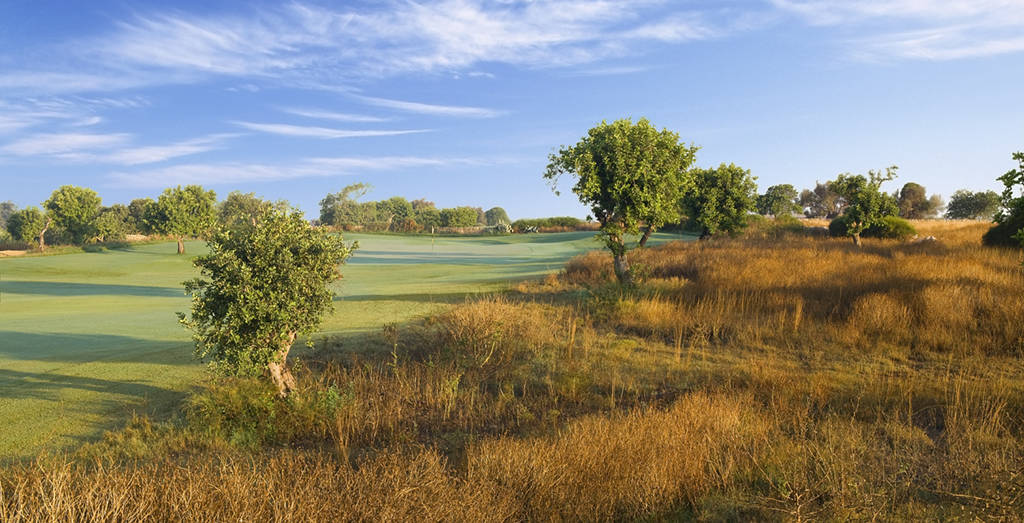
<point x="83" y="348"/>
<point x="55" y="288"/>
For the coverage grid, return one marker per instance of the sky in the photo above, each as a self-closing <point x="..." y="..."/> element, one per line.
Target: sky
<point x="462" y="101"/>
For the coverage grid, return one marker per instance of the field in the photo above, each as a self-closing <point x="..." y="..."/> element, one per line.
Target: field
<point x="88" y="338"/>
<point x="776" y="376"/>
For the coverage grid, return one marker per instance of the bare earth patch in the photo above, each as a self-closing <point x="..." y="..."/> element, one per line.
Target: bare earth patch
<point x="12" y="253"/>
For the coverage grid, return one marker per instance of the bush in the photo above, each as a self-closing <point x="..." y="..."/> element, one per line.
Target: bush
<point x="889" y="227"/>
<point x="568" y="222"/>
<point x="1004" y="233"/>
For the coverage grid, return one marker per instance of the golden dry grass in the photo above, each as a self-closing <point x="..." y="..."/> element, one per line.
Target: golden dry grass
<point x="776" y="377"/>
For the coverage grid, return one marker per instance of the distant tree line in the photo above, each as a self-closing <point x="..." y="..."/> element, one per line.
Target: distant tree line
<point x="396" y="214"/>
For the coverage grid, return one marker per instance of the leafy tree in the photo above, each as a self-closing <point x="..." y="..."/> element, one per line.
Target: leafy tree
<point x="394" y="210"/>
<point x="866" y="203"/>
<point x="181" y="212"/>
<point x="627" y="174"/>
<point x="428" y="217"/>
<point x="721" y="200"/>
<point x="914" y="203"/>
<point x="343" y="208"/>
<point x="239" y="208"/>
<point x="422" y="203"/>
<point x="481" y="216"/>
<point x="967" y="205"/>
<point x="1009" y="229"/>
<point x="262" y="286"/>
<point x="458" y="217"/>
<point x="496" y="215"/>
<point x="822" y="201"/>
<point x="29" y="225"/>
<point x="113" y="223"/>
<point x="6" y="210"/>
<point x="74" y="209"/>
<point x="778" y="200"/>
<point x="137" y="214"/>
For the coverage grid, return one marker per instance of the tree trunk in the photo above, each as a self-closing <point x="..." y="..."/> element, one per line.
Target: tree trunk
<point x="646" y="236"/>
<point x="181" y="245"/>
<point x="856" y="239"/>
<point x="278" y="369"/>
<point x="622" y="270"/>
<point x="42" y="236"/>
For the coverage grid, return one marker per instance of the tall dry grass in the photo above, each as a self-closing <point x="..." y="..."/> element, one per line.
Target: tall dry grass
<point x="773" y="377"/>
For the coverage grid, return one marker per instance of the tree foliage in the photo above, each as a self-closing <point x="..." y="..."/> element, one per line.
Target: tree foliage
<point x="262" y="285"/>
<point x="463" y="216"/>
<point x="822" y="201"/>
<point x="495" y="216"/>
<point x="240" y="208"/>
<point x="6" y="210"/>
<point x="1009" y="229"/>
<point x="27" y="225"/>
<point x="183" y="212"/>
<point x="628" y="174"/>
<point x="343" y="207"/>
<point x="74" y="209"/>
<point x="915" y="204"/>
<point x="137" y="214"/>
<point x="114" y="223"/>
<point x="867" y="204"/>
<point x="967" y="205"/>
<point x="721" y="199"/>
<point x="778" y="200"/>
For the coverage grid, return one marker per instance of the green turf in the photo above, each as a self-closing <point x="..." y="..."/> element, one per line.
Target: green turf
<point x="87" y="338"/>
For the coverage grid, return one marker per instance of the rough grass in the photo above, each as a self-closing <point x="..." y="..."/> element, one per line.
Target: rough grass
<point x="781" y="378"/>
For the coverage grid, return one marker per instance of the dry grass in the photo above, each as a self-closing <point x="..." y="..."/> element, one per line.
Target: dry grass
<point x="772" y="377"/>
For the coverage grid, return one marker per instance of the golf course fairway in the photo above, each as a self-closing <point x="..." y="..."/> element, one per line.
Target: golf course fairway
<point x="88" y="338"/>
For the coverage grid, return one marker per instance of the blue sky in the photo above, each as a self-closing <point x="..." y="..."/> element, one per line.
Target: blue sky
<point x="461" y="101"/>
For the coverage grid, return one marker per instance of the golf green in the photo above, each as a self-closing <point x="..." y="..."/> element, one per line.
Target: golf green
<point x="88" y="338"/>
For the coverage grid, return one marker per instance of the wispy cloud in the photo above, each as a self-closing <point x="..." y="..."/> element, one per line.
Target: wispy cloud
<point x="330" y="115"/>
<point x="321" y="132"/>
<point x="63" y="144"/>
<point x="160" y="153"/>
<point x="431" y="109"/>
<point x="919" y="29"/>
<point x="108" y="148"/>
<point x="233" y="173"/>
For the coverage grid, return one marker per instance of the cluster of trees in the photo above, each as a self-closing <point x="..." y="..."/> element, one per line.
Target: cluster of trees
<point x="826" y="201"/>
<point x="76" y="215"/>
<point x="343" y="209"/>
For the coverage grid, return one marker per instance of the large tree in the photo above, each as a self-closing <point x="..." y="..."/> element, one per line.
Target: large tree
<point x="462" y="216"/>
<point x="967" y="205"/>
<point x="6" y="210"/>
<point x="240" y="208"/>
<point x="628" y="174"/>
<point x="29" y="225"/>
<point x="113" y="223"/>
<point x="915" y="204"/>
<point x="721" y="199"/>
<point x="496" y="215"/>
<point x="343" y="207"/>
<point x="263" y="285"/>
<point x="778" y="200"/>
<point x="183" y="212"/>
<point x="822" y="201"/>
<point x="137" y="214"/>
<point x="74" y="209"/>
<point x="866" y="203"/>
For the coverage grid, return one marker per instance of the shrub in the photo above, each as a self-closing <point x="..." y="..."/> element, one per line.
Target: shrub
<point x="889" y="227"/>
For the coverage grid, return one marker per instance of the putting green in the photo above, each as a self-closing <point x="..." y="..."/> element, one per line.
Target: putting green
<point x="87" y="338"/>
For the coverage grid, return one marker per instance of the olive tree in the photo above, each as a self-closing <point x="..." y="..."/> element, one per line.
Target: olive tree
<point x="113" y="223"/>
<point x="182" y="211"/>
<point x="627" y="174"/>
<point x="822" y="201"/>
<point x="778" y="200"/>
<point x="263" y="284"/>
<point x="967" y="205"/>
<point x="29" y="225"/>
<point x="720" y="200"/>
<point x="239" y="208"/>
<point x="866" y="203"/>
<point x="915" y="204"/>
<point x="1009" y="229"/>
<point x="75" y="210"/>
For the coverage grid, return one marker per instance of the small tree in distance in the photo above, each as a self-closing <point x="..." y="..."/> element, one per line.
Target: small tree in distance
<point x="263" y="285"/>
<point x="75" y="210"/>
<point x="967" y="205"/>
<point x="778" y="200"/>
<point x="627" y="173"/>
<point x="721" y="199"/>
<point x="29" y="225"/>
<point x="182" y="212"/>
<point x="866" y="203"/>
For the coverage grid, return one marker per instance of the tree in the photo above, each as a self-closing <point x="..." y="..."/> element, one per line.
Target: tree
<point x="458" y="217"/>
<point x="778" y="200"/>
<point x="627" y="174"/>
<point x="721" y="200"/>
<point x="239" y="208"/>
<point x="113" y="223"/>
<point x="262" y="286"/>
<point x="495" y="216"/>
<point x="74" y="209"/>
<point x="6" y="210"/>
<point x="428" y="217"/>
<point x="182" y="212"/>
<point x="1009" y="229"/>
<point x="914" y="203"/>
<point x="394" y="210"/>
<point x="137" y="214"/>
<point x="29" y="225"/>
<point x="422" y="203"/>
<point x="866" y="203"/>
<point x="343" y="208"/>
<point x="967" y="205"/>
<point x="822" y="201"/>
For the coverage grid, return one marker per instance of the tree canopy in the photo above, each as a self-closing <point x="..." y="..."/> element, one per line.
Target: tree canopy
<point x="28" y="225"/>
<point x="628" y="174"/>
<point x="721" y="199"/>
<point x="1009" y="229"/>
<point x="183" y="211"/>
<point x="239" y="208"/>
<point x="822" y="201"/>
<point x="74" y="209"/>
<point x="495" y="216"/>
<point x="866" y="203"/>
<point x="778" y="200"/>
<point x="263" y="284"/>
<point x="967" y="205"/>
<point x="914" y="203"/>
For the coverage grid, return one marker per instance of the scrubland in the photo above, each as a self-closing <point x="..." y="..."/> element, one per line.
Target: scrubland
<point x="776" y="376"/>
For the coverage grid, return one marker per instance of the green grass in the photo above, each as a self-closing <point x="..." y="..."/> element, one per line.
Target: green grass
<point x="87" y="338"/>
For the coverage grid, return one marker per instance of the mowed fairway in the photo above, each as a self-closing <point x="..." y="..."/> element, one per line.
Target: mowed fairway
<point x="86" y="339"/>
